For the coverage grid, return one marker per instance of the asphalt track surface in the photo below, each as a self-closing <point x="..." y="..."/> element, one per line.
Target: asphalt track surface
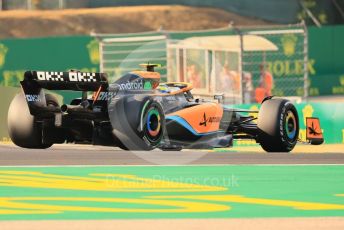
<point x="79" y="156"/>
<point x="89" y="155"/>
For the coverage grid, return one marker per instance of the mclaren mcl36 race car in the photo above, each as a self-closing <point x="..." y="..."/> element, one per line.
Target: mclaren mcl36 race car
<point x="137" y="112"/>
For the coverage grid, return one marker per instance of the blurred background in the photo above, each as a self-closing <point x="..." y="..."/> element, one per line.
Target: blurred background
<point x="279" y="11"/>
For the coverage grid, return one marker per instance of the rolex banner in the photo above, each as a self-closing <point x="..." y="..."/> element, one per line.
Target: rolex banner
<point x="326" y="60"/>
<point x="286" y="65"/>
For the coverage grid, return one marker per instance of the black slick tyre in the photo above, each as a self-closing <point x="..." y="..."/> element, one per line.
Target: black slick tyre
<point x="23" y="130"/>
<point x="278" y="125"/>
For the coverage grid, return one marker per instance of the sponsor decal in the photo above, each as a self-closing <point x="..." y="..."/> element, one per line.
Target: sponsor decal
<point x="33" y="98"/>
<point x="341" y="80"/>
<point x="147" y="86"/>
<point x="205" y="120"/>
<point x="93" y="51"/>
<point x="281" y="121"/>
<point x="281" y="68"/>
<point x="307" y="112"/>
<point x="338" y="90"/>
<point x="71" y="76"/>
<point x="137" y="85"/>
<point x="170" y="98"/>
<point x="313" y="128"/>
<point x="12" y="77"/>
<point x="106" y="96"/>
<point x="289" y="44"/>
<point x="3" y="52"/>
<point x="83" y="77"/>
<point x="50" y="76"/>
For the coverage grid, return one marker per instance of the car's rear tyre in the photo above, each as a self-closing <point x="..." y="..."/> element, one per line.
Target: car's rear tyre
<point x="22" y="128"/>
<point x="138" y="122"/>
<point x="278" y="125"/>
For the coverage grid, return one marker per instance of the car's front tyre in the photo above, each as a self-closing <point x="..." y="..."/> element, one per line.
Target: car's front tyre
<point x="278" y="125"/>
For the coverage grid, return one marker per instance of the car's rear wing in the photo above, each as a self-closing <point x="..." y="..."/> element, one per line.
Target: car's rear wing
<point x="72" y="80"/>
<point x="35" y="81"/>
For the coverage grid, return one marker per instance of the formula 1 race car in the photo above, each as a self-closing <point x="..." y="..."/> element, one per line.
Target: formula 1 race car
<point x="137" y="112"/>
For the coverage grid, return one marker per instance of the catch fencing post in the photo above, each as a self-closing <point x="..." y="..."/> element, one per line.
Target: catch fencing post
<point x="305" y="64"/>
<point x="61" y="4"/>
<point x="241" y="69"/>
<point x="29" y="4"/>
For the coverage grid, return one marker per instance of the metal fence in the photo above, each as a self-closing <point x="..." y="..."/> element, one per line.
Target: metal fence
<point x="245" y="64"/>
<point x="287" y="65"/>
<point x="122" y="53"/>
